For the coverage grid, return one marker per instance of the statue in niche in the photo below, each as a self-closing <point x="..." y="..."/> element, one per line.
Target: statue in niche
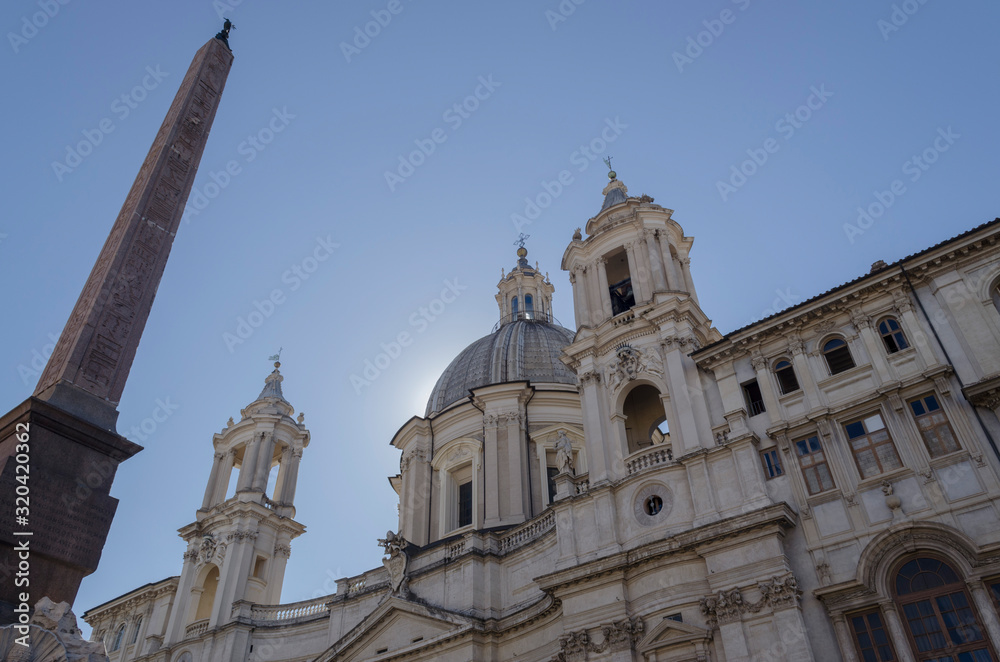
<point x="564" y="454"/>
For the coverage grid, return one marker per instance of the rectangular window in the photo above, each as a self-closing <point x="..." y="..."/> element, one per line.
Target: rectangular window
<point x="772" y="463"/>
<point x="754" y="400"/>
<point x="465" y="504"/>
<point x="934" y="427"/>
<point x="871" y="637"/>
<point x="815" y="470"/>
<point x="873" y="450"/>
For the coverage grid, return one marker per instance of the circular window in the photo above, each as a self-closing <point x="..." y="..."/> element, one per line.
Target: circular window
<point x="652" y="503"/>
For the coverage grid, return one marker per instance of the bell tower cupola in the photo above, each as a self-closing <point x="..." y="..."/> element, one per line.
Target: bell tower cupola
<point x="524" y="293"/>
<point x="240" y="541"/>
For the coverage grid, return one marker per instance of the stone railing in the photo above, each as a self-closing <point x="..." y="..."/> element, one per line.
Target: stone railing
<point x="357" y="585"/>
<point x="657" y="456"/>
<point x="525" y="534"/>
<point x="455" y="549"/>
<point x="290" y="611"/>
<point x="197" y="628"/>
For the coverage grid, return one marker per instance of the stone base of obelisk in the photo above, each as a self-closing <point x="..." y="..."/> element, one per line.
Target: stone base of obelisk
<point x="63" y="496"/>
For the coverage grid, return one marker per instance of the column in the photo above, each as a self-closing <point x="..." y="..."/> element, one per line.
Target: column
<point x="987" y="613"/>
<point x="603" y="288"/>
<point x="655" y="261"/>
<point x="212" y="486"/>
<point x="844" y="638"/>
<point x="792" y="631"/>
<point x="249" y="465"/>
<point x="491" y="492"/>
<point x="673" y="281"/>
<point x="579" y="302"/>
<point x="688" y="281"/>
<point x="916" y="334"/>
<point x="896" y="632"/>
<point x="284" y="464"/>
<point x="874" y="346"/>
<point x="635" y="269"/>
<point x="291" y="477"/>
<point x="264" y="457"/>
<point x="225" y="473"/>
<point x="766" y="385"/>
<point x="593" y="287"/>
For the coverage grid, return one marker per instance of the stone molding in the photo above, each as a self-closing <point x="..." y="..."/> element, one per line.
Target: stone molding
<point x="777" y="593"/>
<point x="617" y="636"/>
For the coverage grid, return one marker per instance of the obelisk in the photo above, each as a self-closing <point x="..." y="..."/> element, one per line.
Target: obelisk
<point x="65" y="433"/>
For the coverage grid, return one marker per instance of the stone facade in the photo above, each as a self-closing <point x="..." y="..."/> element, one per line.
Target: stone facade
<point x="793" y="490"/>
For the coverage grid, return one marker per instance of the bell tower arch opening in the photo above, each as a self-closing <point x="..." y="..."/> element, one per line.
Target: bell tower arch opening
<point x="645" y="418"/>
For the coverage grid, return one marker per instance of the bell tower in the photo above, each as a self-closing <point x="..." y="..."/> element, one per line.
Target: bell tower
<point x="240" y="540"/>
<point x="524" y="294"/>
<point x="638" y="320"/>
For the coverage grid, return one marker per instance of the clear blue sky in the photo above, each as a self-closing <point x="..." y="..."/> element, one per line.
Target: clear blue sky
<point x="882" y="89"/>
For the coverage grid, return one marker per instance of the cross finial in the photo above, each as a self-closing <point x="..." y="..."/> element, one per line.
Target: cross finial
<point x="611" y="173"/>
<point x="521" y="239"/>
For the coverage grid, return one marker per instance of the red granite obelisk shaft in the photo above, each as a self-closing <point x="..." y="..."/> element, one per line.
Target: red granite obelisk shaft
<point x="95" y="352"/>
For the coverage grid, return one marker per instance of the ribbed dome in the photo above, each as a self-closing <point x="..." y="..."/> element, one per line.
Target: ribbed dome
<point x="521" y="350"/>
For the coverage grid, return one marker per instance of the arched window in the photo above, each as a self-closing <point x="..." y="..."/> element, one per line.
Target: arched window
<point x="529" y="306"/>
<point x="995" y="293"/>
<point x="644" y="418"/>
<point x="118" y="638"/>
<point x="892" y="335"/>
<point x="135" y="631"/>
<point x="837" y="355"/>
<point x="513" y="307"/>
<point x="785" y="373"/>
<point x="941" y="621"/>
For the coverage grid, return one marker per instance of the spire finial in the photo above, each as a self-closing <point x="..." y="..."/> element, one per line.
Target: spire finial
<point x="522" y="252"/>
<point x="276" y="358"/>
<point x="611" y="173"/>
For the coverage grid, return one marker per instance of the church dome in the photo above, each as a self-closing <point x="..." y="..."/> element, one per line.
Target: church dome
<point x="524" y="349"/>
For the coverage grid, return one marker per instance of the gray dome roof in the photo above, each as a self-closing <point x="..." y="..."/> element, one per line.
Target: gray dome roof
<point x="521" y="350"/>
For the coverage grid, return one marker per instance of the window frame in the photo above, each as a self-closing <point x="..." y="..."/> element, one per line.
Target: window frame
<point x="135" y="631"/>
<point x="788" y="369"/>
<point x="845" y="346"/>
<point x="872" y="446"/>
<point x="776" y="464"/>
<point x="864" y="614"/>
<point x="929" y="414"/>
<point x="754" y="407"/>
<point x="928" y="595"/>
<point x="119" y="638"/>
<point x="890" y="335"/>
<point x="814" y="464"/>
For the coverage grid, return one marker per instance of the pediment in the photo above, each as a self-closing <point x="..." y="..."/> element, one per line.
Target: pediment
<point x="673" y="641"/>
<point x="395" y="626"/>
